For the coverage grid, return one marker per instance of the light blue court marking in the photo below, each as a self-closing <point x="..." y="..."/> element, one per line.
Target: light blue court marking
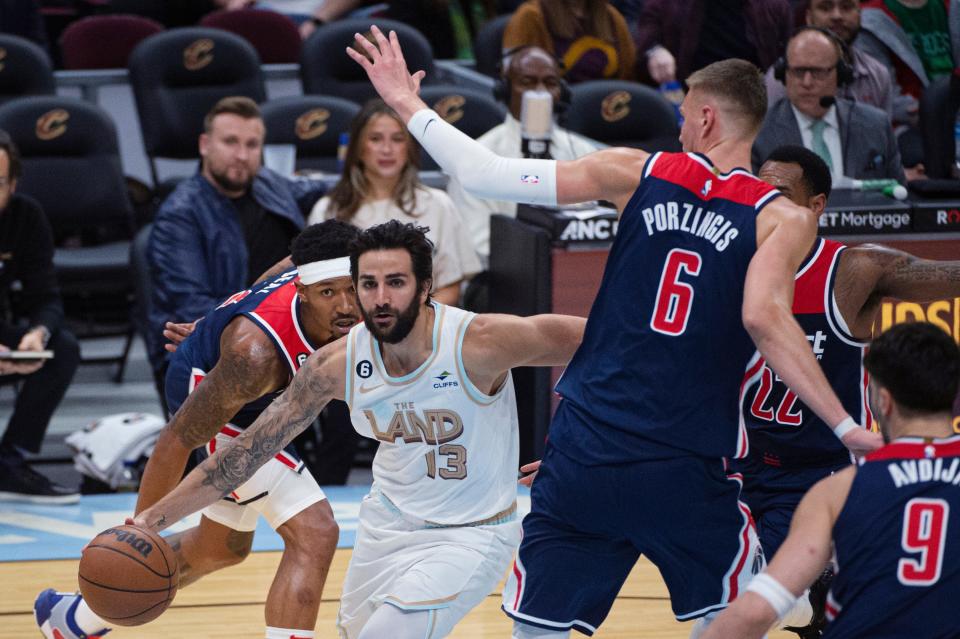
<point x="30" y="532"/>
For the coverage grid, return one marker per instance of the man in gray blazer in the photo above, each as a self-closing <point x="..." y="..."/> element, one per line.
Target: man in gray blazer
<point x="855" y="140"/>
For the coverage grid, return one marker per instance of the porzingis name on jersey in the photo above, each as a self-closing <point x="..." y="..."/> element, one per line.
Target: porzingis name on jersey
<point x="711" y="226"/>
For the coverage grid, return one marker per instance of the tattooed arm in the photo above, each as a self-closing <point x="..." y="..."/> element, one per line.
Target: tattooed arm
<point x="320" y="379"/>
<point x="871" y="272"/>
<point x="249" y="368"/>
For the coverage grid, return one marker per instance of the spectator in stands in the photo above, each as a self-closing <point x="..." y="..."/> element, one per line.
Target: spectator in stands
<point x="871" y="83"/>
<point x="380" y="182"/>
<point x="916" y="42"/>
<point x="530" y="68"/>
<point x="223" y="227"/>
<point x="629" y="9"/>
<point x="29" y="293"/>
<point x="855" y="140"/>
<point x="590" y="38"/>
<point x="674" y="39"/>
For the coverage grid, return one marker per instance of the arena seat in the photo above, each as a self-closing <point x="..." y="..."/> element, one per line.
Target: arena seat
<point x="313" y="124"/>
<point x="104" y="42"/>
<point x="71" y="166"/>
<point x="274" y="35"/>
<point x="473" y="112"/>
<point x="178" y="75"/>
<point x="488" y="45"/>
<point x="622" y="113"/>
<point x="326" y="70"/>
<point x="25" y="69"/>
<point x="938" y="114"/>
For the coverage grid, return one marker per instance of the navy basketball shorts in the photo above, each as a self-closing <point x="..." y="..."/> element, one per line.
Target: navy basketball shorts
<point x="773" y="494"/>
<point x="590" y="524"/>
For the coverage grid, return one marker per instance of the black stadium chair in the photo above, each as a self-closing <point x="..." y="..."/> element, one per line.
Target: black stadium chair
<point x="938" y="113"/>
<point x="25" y="69"/>
<point x="473" y="112"/>
<point x="621" y="113"/>
<point x="178" y="75"/>
<point x="326" y="70"/>
<point x="313" y="124"/>
<point x="71" y="166"/>
<point x="488" y="45"/>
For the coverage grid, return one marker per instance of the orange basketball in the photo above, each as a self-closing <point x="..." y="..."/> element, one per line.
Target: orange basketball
<point x="128" y="575"/>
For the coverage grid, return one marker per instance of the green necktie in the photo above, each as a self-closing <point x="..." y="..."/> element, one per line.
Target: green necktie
<point x="819" y="145"/>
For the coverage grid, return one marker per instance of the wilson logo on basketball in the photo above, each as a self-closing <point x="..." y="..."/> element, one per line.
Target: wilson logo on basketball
<point x="615" y="106"/>
<point x="311" y="124"/>
<point x="52" y="124"/>
<point x="198" y="54"/>
<point x="136" y="542"/>
<point x="450" y="107"/>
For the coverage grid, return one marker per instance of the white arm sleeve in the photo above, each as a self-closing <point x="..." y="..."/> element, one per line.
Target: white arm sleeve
<point x="482" y="172"/>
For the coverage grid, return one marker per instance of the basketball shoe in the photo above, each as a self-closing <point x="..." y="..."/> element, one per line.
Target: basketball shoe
<point x="56" y="612"/>
<point x="818" y="601"/>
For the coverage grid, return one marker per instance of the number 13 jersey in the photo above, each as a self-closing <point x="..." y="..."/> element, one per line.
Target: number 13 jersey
<point x="448" y="452"/>
<point x="664" y="353"/>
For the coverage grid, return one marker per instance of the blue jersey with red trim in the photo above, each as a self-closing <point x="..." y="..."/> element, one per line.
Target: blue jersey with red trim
<point x="897" y="542"/>
<point x="781" y="429"/>
<point x="274" y="307"/>
<point x="665" y="351"/>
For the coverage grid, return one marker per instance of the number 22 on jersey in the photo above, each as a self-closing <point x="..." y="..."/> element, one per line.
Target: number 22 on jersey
<point x="675" y="296"/>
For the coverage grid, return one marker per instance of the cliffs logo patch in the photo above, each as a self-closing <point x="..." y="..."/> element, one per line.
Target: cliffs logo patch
<point x="615" y="106"/>
<point x="52" y="124"/>
<point x="450" y="107"/>
<point x="442" y="381"/>
<point x="198" y="54"/>
<point x="311" y="124"/>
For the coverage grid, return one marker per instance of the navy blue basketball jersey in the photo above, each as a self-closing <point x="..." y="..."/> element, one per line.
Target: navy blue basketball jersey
<point x="781" y="429"/>
<point x="274" y="307"/>
<point x="665" y="352"/>
<point x="897" y="542"/>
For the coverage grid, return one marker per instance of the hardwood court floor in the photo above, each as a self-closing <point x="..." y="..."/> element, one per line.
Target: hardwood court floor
<point x="229" y="604"/>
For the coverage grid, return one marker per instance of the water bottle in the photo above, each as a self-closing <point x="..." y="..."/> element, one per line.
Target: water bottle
<point x="673" y="93"/>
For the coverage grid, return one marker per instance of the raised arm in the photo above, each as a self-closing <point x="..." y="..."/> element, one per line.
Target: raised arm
<point x="319" y="380"/>
<point x="610" y="174"/>
<point x="871" y="272"/>
<point x="797" y="564"/>
<point x="249" y="367"/>
<point x="785" y="234"/>
<point x="494" y="344"/>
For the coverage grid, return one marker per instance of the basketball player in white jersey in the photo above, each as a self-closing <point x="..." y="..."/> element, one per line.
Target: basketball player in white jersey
<point x="432" y="384"/>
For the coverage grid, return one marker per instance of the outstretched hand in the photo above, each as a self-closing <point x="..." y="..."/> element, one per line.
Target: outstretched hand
<point x="388" y="72"/>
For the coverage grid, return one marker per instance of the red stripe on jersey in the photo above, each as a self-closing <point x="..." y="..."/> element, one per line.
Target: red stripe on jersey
<point x="232" y="431"/>
<point x="734" y="578"/>
<point x="917" y="450"/>
<point x="519" y="576"/>
<point x="809" y="289"/>
<point x="694" y="173"/>
<point x="277" y="315"/>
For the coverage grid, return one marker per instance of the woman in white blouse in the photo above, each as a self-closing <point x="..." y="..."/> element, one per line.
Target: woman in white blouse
<point x="380" y="182"/>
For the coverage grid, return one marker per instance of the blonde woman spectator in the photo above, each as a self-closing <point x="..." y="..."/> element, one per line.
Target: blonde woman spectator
<point x="380" y="182"/>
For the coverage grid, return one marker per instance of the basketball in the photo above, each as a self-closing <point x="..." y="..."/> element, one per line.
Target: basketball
<point x="128" y="575"/>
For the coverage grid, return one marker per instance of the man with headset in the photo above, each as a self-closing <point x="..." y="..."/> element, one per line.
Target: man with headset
<point x="854" y="139"/>
<point x="525" y="68"/>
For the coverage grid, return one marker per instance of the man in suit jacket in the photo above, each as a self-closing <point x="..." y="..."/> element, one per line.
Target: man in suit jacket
<point x="855" y="140"/>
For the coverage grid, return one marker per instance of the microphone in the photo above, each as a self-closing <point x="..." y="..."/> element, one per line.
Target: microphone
<point x="536" y="124"/>
<point x="827" y="101"/>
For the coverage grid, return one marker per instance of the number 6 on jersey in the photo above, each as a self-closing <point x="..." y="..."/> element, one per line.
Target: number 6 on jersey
<point x="675" y="298"/>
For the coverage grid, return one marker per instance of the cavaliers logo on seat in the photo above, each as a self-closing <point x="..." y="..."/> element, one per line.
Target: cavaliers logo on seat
<point x="615" y="106"/>
<point x="198" y="54"/>
<point x="450" y="107"/>
<point x="311" y="124"/>
<point x="52" y="124"/>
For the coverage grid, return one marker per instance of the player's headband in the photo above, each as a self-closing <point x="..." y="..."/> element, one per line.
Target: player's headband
<point x="323" y="270"/>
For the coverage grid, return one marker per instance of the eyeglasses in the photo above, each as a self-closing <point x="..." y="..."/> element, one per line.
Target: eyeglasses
<point x="817" y="73"/>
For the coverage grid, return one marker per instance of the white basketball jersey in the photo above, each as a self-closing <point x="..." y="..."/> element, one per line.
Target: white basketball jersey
<point x="448" y="452"/>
